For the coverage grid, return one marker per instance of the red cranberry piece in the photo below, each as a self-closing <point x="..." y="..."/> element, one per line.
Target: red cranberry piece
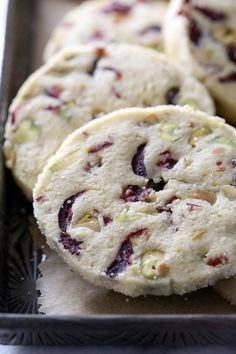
<point x="100" y="52"/>
<point x="231" y="52"/>
<point x="53" y="108"/>
<point x="134" y="193"/>
<point x="162" y="208"/>
<point x="211" y="14"/>
<point x="195" y="32"/>
<point x="219" y="163"/>
<point x="228" y="78"/>
<point x="138" y="162"/>
<point x="99" y="147"/>
<point x="192" y="206"/>
<point x="118" y="8"/>
<point x="40" y="199"/>
<point x="97" y="35"/>
<point x="70" y="244"/>
<point x="166" y="160"/>
<point x="122" y="259"/>
<point x="233" y="183"/>
<point x="151" y="28"/>
<point x="90" y="165"/>
<point x="214" y="262"/>
<point x="159" y="186"/>
<point x="65" y="212"/>
<point x="234" y="163"/>
<point x="137" y="233"/>
<point x="171" y="95"/>
<point x="115" y="92"/>
<point x="53" y="91"/>
<point x="107" y="219"/>
<point x="117" y="73"/>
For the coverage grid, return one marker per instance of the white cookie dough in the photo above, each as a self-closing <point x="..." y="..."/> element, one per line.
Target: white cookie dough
<point x="129" y="21"/>
<point x="201" y="35"/>
<point x="79" y="85"/>
<point x="143" y="201"/>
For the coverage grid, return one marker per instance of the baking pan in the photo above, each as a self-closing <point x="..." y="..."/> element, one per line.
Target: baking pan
<point x="20" y="319"/>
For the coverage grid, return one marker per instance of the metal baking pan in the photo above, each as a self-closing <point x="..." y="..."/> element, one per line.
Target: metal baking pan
<point x="20" y="318"/>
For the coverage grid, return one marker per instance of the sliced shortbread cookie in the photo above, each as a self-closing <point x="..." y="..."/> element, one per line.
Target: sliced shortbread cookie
<point x="128" y="21"/>
<point x="201" y="35"/>
<point x="142" y="201"/>
<point x="79" y="85"/>
<point x="227" y="289"/>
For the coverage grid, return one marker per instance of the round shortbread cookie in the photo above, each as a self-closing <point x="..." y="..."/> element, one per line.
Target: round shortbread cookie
<point x="202" y="36"/>
<point x="79" y="85"/>
<point x="142" y="201"/>
<point x="128" y="21"/>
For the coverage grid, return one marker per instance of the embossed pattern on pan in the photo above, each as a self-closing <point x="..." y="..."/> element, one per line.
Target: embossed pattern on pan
<point x="20" y="322"/>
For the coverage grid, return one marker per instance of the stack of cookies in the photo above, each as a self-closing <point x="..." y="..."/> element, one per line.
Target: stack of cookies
<point x="133" y="177"/>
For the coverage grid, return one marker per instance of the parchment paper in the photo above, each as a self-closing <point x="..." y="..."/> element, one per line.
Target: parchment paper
<point x="66" y="293"/>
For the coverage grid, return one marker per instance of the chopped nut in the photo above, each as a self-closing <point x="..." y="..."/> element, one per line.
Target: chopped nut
<point x="229" y="192"/>
<point x="224" y="34"/>
<point x="198" y="234"/>
<point x="150" y="264"/>
<point x="199" y="133"/>
<point x="163" y="269"/>
<point x="90" y="221"/>
<point x="168" y="131"/>
<point x="221" y="139"/>
<point x="203" y="195"/>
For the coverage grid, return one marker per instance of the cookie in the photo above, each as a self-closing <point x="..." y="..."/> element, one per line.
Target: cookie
<point x="202" y="36"/>
<point x="128" y="21"/>
<point x="142" y="201"/>
<point x="78" y="86"/>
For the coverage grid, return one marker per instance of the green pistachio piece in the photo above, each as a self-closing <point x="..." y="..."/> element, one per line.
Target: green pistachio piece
<point x="199" y="133"/>
<point x="189" y="102"/>
<point x="90" y="221"/>
<point x="26" y="130"/>
<point x="123" y="216"/>
<point x="152" y="265"/>
<point x="223" y="140"/>
<point x="168" y="131"/>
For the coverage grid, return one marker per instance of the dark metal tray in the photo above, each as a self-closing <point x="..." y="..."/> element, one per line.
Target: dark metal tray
<point x="20" y="318"/>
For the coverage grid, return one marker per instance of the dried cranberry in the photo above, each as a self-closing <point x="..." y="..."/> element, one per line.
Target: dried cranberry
<point x="70" y="244"/>
<point x="195" y="32"/>
<point x="214" y="262"/>
<point x="219" y="163"/>
<point x="228" y="78"/>
<point x="12" y="117"/>
<point x="138" y="162"/>
<point x="137" y="233"/>
<point x="97" y="35"/>
<point x="40" y="199"/>
<point x="192" y="206"/>
<point x="90" y="165"/>
<point x="231" y="52"/>
<point x="53" y="91"/>
<point x="117" y="7"/>
<point x="211" y="14"/>
<point x="151" y="28"/>
<point x="93" y="67"/>
<point x="107" y="219"/>
<point x="115" y="92"/>
<point x="166" y="160"/>
<point x="134" y="193"/>
<point x="100" y="147"/>
<point x="122" y="259"/>
<point x="157" y="186"/>
<point x="162" y="208"/>
<point x="117" y="73"/>
<point x="55" y="108"/>
<point x="65" y="212"/>
<point x="234" y="163"/>
<point x="171" y="95"/>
